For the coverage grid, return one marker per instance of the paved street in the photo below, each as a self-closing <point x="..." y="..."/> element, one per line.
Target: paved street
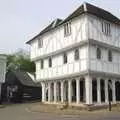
<point x="21" y="112"/>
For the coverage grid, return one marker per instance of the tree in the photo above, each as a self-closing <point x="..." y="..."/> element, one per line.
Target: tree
<point x="20" y="61"/>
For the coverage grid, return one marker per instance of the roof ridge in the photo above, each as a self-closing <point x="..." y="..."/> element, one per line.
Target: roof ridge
<point x="85" y="6"/>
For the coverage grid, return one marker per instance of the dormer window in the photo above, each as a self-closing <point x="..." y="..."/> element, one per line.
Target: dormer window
<point x="67" y="28"/>
<point x="40" y="43"/>
<point x="106" y="28"/>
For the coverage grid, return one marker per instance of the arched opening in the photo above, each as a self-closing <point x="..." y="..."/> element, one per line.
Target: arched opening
<point x="94" y="90"/>
<point x="102" y="86"/>
<point x="59" y="91"/>
<point x="117" y="87"/>
<point x="74" y="90"/>
<point x="110" y="90"/>
<point x="46" y="91"/>
<point x="66" y="90"/>
<point x="47" y="94"/>
<point x="82" y="89"/>
<point x="52" y="91"/>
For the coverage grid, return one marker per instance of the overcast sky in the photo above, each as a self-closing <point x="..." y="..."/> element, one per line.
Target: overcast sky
<point x="20" y="20"/>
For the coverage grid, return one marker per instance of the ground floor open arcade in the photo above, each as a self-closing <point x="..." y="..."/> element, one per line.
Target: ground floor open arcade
<point x="78" y="90"/>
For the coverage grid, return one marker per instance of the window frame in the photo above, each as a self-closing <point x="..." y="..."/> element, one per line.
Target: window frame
<point x="40" y="43"/>
<point x="67" y="29"/>
<point x="98" y="53"/>
<point x="106" y="28"/>
<point x="110" y="56"/>
<point x="42" y="64"/>
<point x="76" y="54"/>
<point x="50" y="62"/>
<point x="65" y="59"/>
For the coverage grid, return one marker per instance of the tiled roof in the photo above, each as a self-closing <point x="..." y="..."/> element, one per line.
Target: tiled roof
<point x="84" y="8"/>
<point x="22" y="77"/>
<point x="51" y="26"/>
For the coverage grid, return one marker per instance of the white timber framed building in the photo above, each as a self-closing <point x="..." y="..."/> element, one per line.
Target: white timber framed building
<point x="3" y="62"/>
<point x="78" y="59"/>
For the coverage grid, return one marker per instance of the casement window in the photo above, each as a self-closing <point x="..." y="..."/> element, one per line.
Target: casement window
<point x="76" y="54"/>
<point x="67" y="28"/>
<point x="42" y="64"/>
<point x="98" y="53"/>
<point x="106" y="28"/>
<point x="109" y="55"/>
<point x="40" y="43"/>
<point x="64" y="58"/>
<point x="50" y="62"/>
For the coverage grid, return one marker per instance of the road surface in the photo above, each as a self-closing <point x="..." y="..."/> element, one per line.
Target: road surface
<point x="21" y="112"/>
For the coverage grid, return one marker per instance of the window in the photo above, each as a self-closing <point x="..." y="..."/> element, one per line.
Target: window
<point x="106" y="28"/>
<point x="40" y="43"/>
<point x="65" y="58"/>
<point x="42" y="64"/>
<point x="67" y="29"/>
<point x="76" y="57"/>
<point x="110" y="55"/>
<point x="98" y="53"/>
<point x="50" y="62"/>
